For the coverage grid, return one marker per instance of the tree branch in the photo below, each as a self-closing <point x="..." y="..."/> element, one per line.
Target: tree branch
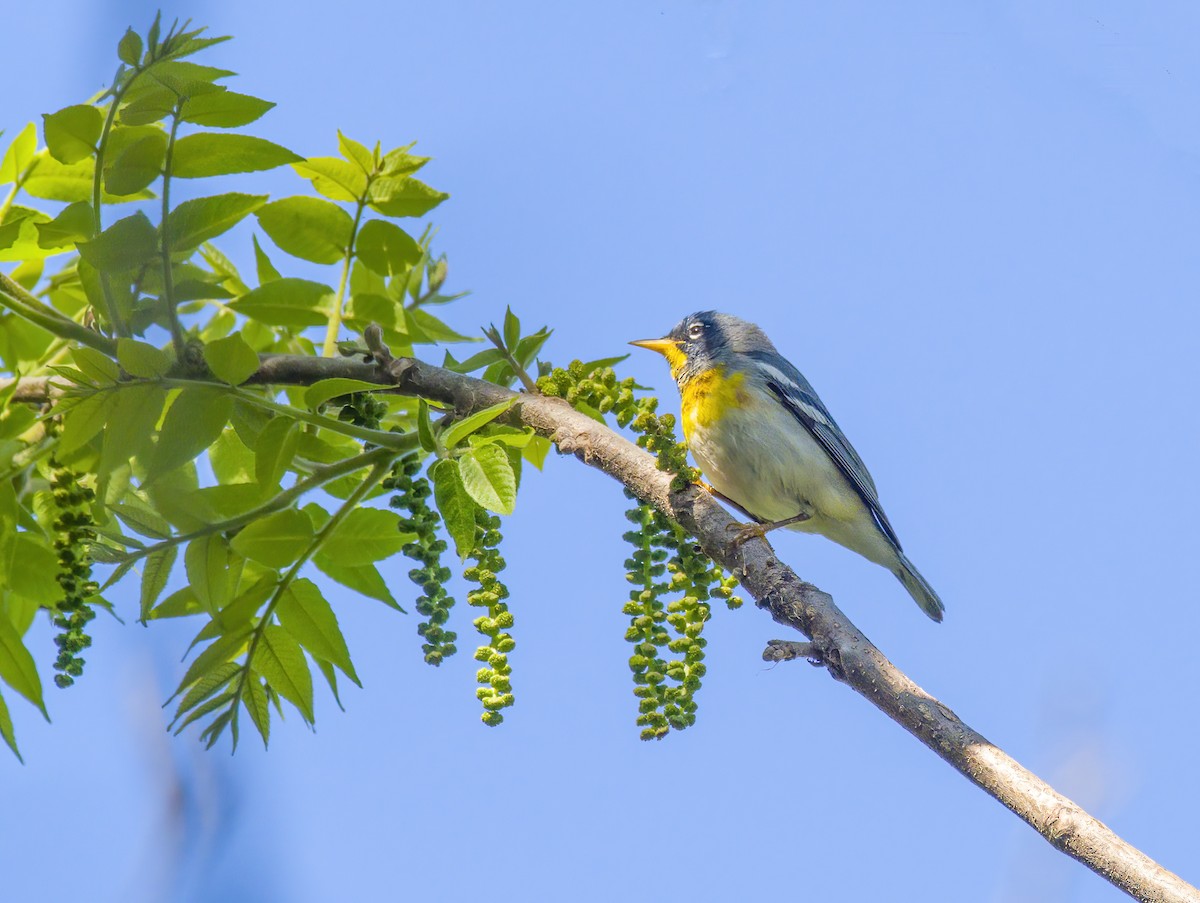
<point x="836" y="643"/>
<point x="846" y="653"/>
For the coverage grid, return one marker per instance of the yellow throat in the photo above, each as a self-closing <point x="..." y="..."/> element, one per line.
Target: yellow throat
<point x="708" y="396"/>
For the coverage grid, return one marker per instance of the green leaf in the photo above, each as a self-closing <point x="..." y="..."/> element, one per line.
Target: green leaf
<point x="137" y="165"/>
<point x="233" y="466"/>
<point x="180" y="604"/>
<point x="216" y="655"/>
<point x="155" y="572"/>
<point x="337" y="179"/>
<point x="265" y="269"/>
<point x="142" y="360"/>
<point x="308" y="228"/>
<point x="455" y="504"/>
<point x="196" y="221"/>
<point x="125" y="245"/>
<point x="537" y="449"/>
<point x="386" y="248"/>
<point x="19" y="235"/>
<point x="425" y="428"/>
<point x="303" y="611"/>
<point x="274" y="450"/>
<point x="19" y="155"/>
<point x="403" y="197"/>
<point x="285" y="302"/>
<point x="489" y="478"/>
<point x="129" y="50"/>
<point x="154" y="104"/>
<point x="6" y="730"/>
<point x="74" y="222"/>
<point x="206" y="686"/>
<point x="84" y="421"/>
<point x="365" y="536"/>
<point x="224" y="109"/>
<point x="216" y="154"/>
<point x="425" y="327"/>
<point x="276" y="540"/>
<point x="484" y="358"/>
<point x="463" y="428"/>
<point x="231" y="360"/>
<point x="34" y="566"/>
<point x="191" y="425"/>
<point x="99" y="367"/>
<point x="140" y="517"/>
<point x="207" y="564"/>
<point x="281" y="661"/>
<point x="356" y="153"/>
<point x="28" y="273"/>
<point x="16" y="666"/>
<point x="512" y="329"/>
<point x="400" y="162"/>
<point x="56" y="181"/>
<point x="320" y="392"/>
<point x="503" y="435"/>
<point x="131" y="425"/>
<point x="529" y="346"/>
<point x="72" y="132"/>
<point x="211" y="734"/>
<point x="330" y="676"/>
<point x="364" y="579"/>
<point x="255" y="699"/>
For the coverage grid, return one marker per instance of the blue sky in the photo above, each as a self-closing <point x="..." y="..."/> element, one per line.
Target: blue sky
<point x="974" y="228"/>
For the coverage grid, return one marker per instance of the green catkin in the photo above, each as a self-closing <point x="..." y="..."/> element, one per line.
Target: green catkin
<point x="412" y="494"/>
<point x="495" y="677"/>
<point x="74" y="530"/>
<point x="434" y="604"/>
<point x="363" y="409"/>
<point x="665" y="688"/>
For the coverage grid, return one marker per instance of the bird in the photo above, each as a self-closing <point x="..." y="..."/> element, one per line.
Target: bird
<point x="766" y="444"/>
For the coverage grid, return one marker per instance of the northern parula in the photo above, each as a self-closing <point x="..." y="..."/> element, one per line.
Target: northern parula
<point x="766" y="444"/>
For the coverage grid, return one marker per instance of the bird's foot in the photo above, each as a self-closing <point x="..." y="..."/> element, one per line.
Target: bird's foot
<point x="747" y="532"/>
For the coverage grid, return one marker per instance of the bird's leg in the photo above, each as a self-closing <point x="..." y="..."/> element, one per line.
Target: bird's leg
<point x="726" y="499"/>
<point x="746" y="532"/>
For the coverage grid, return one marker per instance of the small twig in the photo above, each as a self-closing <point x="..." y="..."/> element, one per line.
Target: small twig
<point x="495" y="338"/>
<point x="789" y="650"/>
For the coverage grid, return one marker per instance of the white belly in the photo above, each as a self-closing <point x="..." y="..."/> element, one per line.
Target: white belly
<point x="774" y="468"/>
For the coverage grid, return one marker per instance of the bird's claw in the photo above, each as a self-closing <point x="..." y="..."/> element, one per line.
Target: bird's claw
<point x="747" y="532"/>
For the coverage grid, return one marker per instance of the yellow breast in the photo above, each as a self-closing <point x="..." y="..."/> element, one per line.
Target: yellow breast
<point x="707" y="397"/>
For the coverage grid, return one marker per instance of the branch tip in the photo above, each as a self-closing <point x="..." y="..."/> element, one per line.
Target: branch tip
<point x="788" y="650"/>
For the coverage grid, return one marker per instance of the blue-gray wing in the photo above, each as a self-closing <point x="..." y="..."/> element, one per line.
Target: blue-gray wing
<point x="798" y="396"/>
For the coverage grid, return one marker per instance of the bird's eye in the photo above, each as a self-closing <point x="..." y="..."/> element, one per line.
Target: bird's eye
<point x="696" y="330"/>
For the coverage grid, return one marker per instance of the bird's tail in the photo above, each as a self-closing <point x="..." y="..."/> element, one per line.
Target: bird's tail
<point x="918" y="587"/>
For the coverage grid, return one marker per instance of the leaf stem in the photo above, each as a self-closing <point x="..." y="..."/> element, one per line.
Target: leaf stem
<point x="377" y="456"/>
<point x="335" y="315"/>
<point x="494" y="336"/>
<point x="19" y="181"/>
<point x="120" y="327"/>
<point x="28" y="456"/>
<point x="168" y="298"/>
<point x="14" y="297"/>
<point x="395" y="441"/>
<point x="378" y="472"/>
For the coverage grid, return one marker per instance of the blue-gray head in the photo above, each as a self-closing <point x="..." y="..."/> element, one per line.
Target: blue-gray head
<point x="705" y="340"/>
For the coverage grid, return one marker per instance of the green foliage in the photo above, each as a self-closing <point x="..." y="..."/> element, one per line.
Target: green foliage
<point x="160" y="458"/>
